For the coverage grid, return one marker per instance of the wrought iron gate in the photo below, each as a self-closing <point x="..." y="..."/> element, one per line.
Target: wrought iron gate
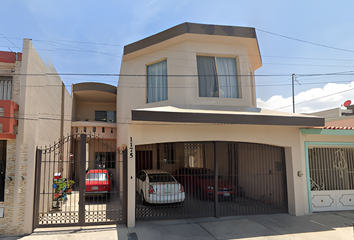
<point x="331" y="178"/>
<point x="250" y="179"/>
<point x="80" y="180"/>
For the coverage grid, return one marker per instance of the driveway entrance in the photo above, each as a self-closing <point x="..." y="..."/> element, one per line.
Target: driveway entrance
<point x="250" y="179"/>
<point x="65" y="192"/>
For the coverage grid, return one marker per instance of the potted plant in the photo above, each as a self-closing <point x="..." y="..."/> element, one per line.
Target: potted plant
<point x="60" y="187"/>
<point x="69" y="185"/>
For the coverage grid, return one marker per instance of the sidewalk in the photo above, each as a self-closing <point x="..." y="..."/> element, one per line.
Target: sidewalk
<point x="330" y="225"/>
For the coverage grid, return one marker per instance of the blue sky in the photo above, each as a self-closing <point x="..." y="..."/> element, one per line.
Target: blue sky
<point x="88" y="37"/>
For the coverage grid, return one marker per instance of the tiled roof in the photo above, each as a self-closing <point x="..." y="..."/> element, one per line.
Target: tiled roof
<point x="336" y="128"/>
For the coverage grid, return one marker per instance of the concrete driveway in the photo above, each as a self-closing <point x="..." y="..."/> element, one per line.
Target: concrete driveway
<point x="330" y="225"/>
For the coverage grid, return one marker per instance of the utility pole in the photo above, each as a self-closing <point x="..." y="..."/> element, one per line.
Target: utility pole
<point x="293" y="78"/>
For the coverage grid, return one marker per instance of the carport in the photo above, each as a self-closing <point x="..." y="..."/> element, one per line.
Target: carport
<point x="251" y="178"/>
<point x="254" y="153"/>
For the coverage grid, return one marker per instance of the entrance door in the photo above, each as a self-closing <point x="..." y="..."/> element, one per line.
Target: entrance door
<point x="2" y="168"/>
<point x="331" y="178"/>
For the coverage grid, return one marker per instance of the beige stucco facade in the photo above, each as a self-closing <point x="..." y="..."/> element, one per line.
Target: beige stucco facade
<point x="158" y="133"/>
<point x="180" y="52"/>
<point x="44" y="116"/>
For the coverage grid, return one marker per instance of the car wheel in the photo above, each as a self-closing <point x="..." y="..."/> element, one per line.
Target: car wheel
<point x="142" y="197"/>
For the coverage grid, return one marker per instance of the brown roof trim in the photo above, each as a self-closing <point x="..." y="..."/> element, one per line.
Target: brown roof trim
<point x="182" y="117"/>
<point x="195" y="28"/>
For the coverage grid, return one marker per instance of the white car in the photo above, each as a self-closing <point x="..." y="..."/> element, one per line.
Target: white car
<point x="159" y="187"/>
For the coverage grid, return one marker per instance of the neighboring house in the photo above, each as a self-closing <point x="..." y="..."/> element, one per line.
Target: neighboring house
<point x="329" y="156"/>
<point x="186" y="99"/>
<point x="35" y="110"/>
<point x="335" y="113"/>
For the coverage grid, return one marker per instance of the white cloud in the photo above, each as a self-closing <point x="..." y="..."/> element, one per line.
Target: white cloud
<point x="332" y="95"/>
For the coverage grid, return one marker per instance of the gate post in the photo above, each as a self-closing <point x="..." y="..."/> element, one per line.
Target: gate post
<point x="82" y="183"/>
<point x="38" y="167"/>
<point x="125" y="184"/>
<point x="216" y="189"/>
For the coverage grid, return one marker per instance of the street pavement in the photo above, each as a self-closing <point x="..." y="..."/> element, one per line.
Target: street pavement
<point x="327" y="225"/>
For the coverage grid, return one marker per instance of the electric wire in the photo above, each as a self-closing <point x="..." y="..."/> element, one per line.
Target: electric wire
<point x="329" y="95"/>
<point x="308" y="42"/>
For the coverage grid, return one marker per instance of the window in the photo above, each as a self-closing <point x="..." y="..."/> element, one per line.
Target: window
<point x="84" y="129"/>
<point x="157" y="82"/>
<point x="103" y="129"/>
<point x="105" y="159"/>
<point x="217" y="77"/>
<point x="105" y="116"/>
<point x="5" y="88"/>
<point x="94" y="129"/>
<point x="77" y="129"/>
<point x="111" y="130"/>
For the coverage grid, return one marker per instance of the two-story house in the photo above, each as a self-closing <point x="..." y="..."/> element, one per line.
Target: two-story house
<point x="186" y="102"/>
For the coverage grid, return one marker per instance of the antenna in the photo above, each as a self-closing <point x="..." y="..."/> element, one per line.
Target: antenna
<point x="347" y="103"/>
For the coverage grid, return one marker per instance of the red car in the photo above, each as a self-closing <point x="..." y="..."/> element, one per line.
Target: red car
<point x="200" y="181"/>
<point x="98" y="182"/>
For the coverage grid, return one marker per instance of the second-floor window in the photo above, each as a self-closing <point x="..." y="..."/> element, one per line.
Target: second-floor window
<point x="5" y="88"/>
<point x="217" y="77"/>
<point x="105" y="116"/>
<point x="156" y="81"/>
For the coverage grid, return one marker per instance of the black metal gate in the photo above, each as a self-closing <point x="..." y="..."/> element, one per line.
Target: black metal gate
<point x="80" y="180"/>
<point x="250" y="179"/>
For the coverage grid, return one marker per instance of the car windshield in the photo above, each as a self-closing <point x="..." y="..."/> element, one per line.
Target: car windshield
<point x="161" y="177"/>
<point x="96" y="177"/>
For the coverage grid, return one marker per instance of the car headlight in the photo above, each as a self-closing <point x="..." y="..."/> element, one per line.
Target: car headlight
<point x="211" y="188"/>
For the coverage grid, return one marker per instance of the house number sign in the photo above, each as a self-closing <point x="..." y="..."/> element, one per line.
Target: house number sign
<point x="131" y="148"/>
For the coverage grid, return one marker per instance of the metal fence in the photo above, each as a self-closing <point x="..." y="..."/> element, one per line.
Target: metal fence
<point x="80" y="180"/>
<point x="177" y="180"/>
<point x="331" y="168"/>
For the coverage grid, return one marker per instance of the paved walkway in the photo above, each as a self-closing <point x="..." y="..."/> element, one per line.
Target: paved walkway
<point x="333" y="225"/>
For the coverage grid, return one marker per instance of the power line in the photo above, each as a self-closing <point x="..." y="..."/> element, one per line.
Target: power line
<point x="309" y="58"/>
<point x="316" y="98"/>
<point x="308" y="42"/>
<point x="10" y="41"/>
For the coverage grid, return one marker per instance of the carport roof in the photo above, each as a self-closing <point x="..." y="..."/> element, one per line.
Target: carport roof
<point x="259" y="117"/>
